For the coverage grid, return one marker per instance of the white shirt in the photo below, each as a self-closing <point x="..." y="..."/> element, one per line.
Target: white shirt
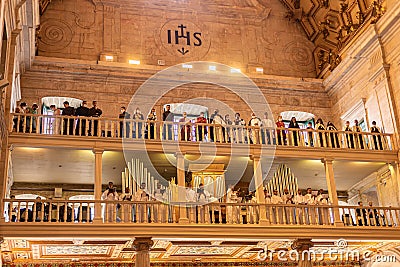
<point x="158" y="195"/>
<point x="231" y="196"/>
<point x="218" y="120"/>
<point x="298" y="199"/>
<point x="141" y="195"/>
<point x="286" y="199"/>
<point x="113" y="196"/>
<point x="309" y="199"/>
<point x="190" y="195"/>
<point x="204" y="197"/>
<point x="267" y="123"/>
<point x="255" y="122"/>
<point x="276" y="199"/>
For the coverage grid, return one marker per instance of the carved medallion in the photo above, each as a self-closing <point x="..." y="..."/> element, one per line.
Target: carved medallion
<point x="55" y="35"/>
<point x="185" y="39"/>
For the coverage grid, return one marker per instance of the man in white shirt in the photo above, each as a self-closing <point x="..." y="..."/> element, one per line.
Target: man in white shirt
<point x="141" y="211"/>
<point x="299" y="200"/>
<point x="159" y="210"/>
<point x="277" y="212"/>
<point x="231" y="197"/>
<point x="217" y="132"/>
<point x="309" y="200"/>
<point x="288" y="199"/>
<point x="203" y="197"/>
<point x="267" y="125"/>
<point x="255" y="124"/>
<point x="191" y="199"/>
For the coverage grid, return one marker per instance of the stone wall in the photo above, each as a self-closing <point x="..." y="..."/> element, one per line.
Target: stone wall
<point x="114" y="86"/>
<point x="242" y="34"/>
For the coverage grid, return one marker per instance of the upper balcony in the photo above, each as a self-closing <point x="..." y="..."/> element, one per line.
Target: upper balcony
<point x="156" y="136"/>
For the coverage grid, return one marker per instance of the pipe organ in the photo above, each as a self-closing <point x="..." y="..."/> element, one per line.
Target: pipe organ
<point x="283" y="178"/>
<point x="135" y="174"/>
<point x="212" y="176"/>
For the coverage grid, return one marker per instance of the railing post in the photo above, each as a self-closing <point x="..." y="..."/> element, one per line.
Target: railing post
<point x="180" y="165"/>
<point x="330" y="181"/>
<point x="260" y="190"/>
<point x="98" y="179"/>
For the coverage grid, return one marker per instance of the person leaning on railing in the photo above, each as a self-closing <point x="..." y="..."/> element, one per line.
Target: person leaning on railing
<point x="201" y="128"/>
<point x="333" y="135"/>
<point x="294" y="126"/>
<point x="82" y="111"/>
<point x="68" y="123"/>
<point x="94" y="112"/>
<point x="19" y="126"/>
<point x="376" y="138"/>
<point x="150" y="126"/>
<point x="320" y="127"/>
<point x="281" y="134"/>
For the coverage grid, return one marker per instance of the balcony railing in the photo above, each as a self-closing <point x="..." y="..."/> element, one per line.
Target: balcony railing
<point x="131" y="129"/>
<point x="19" y="211"/>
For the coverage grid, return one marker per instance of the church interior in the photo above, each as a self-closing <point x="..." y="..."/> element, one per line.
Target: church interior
<point x="199" y="133"/>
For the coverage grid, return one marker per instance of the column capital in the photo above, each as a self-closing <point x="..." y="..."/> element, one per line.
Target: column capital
<point x="302" y="244"/>
<point x="327" y="160"/>
<point x="142" y="243"/>
<point x="255" y="157"/>
<point x="98" y="150"/>
<point x="179" y="154"/>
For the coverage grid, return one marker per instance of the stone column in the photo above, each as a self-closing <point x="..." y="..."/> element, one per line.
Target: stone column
<point x="180" y="166"/>
<point x="303" y="248"/>
<point x="260" y="189"/>
<point x="142" y="246"/>
<point x="330" y="181"/>
<point x="98" y="181"/>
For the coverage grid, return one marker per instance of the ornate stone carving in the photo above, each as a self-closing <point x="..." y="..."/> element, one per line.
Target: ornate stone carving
<point x="55" y="35"/>
<point x="141" y="244"/>
<point x="331" y="30"/>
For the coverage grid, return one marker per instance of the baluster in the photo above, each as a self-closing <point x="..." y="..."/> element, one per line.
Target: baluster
<point x="34" y="208"/>
<point x="24" y="124"/>
<point x="80" y="212"/>
<point x="58" y="212"/>
<point x="65" y="219"/>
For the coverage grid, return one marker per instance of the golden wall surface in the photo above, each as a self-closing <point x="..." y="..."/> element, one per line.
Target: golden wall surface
<point x="242" y="34"/>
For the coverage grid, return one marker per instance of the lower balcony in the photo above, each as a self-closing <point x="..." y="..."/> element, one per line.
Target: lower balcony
<point x="68" y="216"/>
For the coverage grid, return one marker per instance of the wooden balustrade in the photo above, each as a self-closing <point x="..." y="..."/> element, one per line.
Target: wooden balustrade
<point x="131" y="129"/>
<point x="140" y="212"/>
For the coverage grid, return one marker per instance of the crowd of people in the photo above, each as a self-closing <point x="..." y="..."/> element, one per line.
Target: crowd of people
<point x="309" y="207"/>
<point x="219" y="129"/>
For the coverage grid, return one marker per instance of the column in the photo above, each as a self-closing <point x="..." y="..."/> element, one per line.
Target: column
<point x="142" y="246"/>
<point x="180" y="166"/>
<point x="330" y="181"/>
<point x="303" y="248"/>
<point x="98" y="181"/>
<point x="260" y="189"/>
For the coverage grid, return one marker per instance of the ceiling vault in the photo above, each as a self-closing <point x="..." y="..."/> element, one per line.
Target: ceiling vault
<point x="332" y="24"/>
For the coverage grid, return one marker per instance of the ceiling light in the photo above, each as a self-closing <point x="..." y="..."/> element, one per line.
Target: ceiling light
<point x="187" y="66"/>
<point x="260" y="70"/>
<point x="134" y="62"/>
<point x="109" y="58"/>
<point x="233" y="70"/>
<point x="212" y="67"/>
